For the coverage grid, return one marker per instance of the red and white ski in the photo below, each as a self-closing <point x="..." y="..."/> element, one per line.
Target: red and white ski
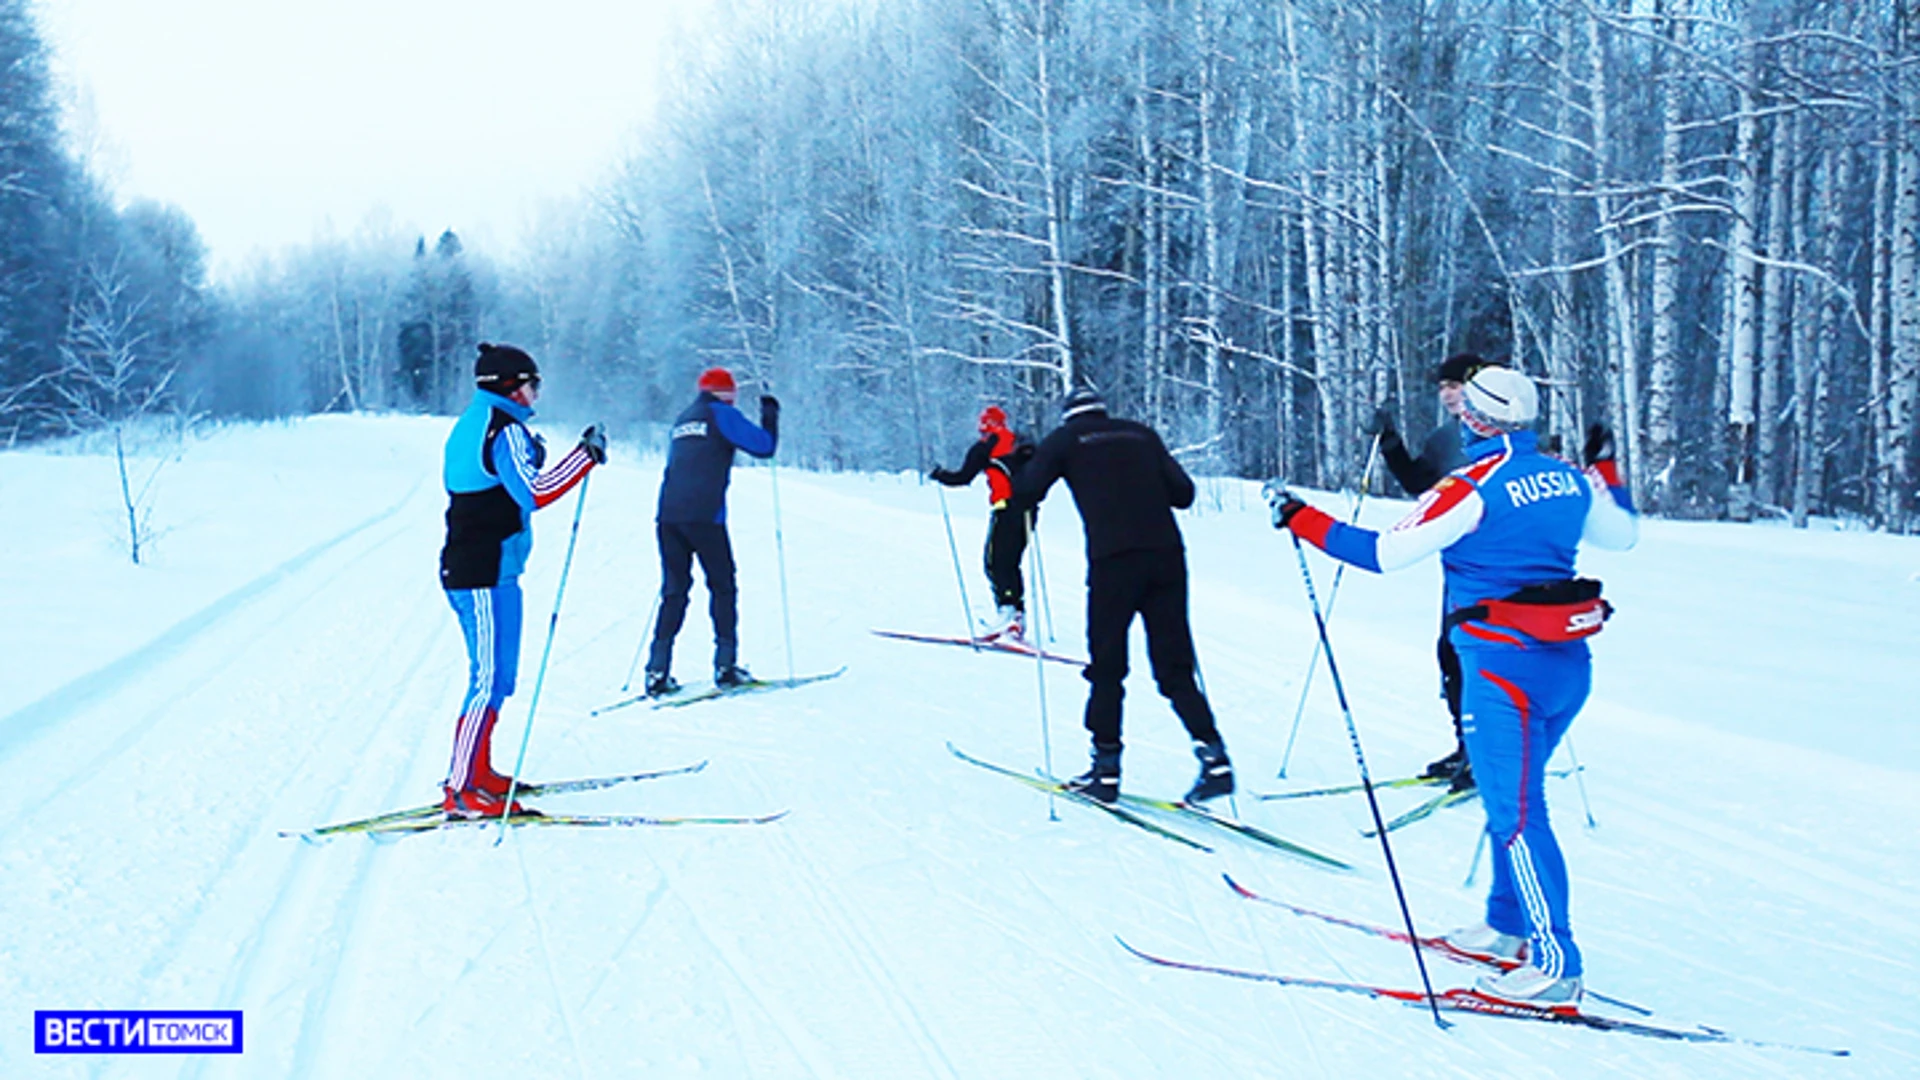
<point x="1016" y="646"/>
<point x="1473" y="1001"/>
<point x="1439" y="946"/>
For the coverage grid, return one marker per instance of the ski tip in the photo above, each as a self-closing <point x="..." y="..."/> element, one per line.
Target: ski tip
<point x="1237" y="887"/>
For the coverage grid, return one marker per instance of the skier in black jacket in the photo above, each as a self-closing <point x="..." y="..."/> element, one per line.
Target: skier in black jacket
<point x="1127" y="486"/>
<point x="1439" y="455"/>
<point x="692" y="521"/>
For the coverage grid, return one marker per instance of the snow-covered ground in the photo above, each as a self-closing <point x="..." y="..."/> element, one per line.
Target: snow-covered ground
<point x="286" y="659"/>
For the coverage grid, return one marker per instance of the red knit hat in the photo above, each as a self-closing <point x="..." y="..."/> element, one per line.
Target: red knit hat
<point x="993" y="418"/>
<point x="717" y="381"/>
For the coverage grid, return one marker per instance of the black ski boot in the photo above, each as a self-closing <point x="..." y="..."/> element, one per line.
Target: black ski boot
<point x="1101" y="783"/>
<point x="1448" y="767"/>
<point x="660" y="684"/>
<point x="731" y="676"/>
<point x="1462" y="780"/>
<point x="1216" y="772"/>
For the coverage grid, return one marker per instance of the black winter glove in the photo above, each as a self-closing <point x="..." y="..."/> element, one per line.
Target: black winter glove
<point x="1285" y="504"/>
<point x="1285" y="509"/>
<point x="1599" y="444"/>
<point x="941" y="476"/>
<point x="594" y="442"/>
<point x="770" y="414"/>
<point x="1381" y="424"/>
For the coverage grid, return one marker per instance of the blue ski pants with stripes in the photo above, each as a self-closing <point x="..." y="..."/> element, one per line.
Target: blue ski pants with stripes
<point x="1517" y="704"/>
<point x="490" y="622"/>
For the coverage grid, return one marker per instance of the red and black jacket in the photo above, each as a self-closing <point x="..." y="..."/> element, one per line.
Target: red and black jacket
<point x="999" y="454"/>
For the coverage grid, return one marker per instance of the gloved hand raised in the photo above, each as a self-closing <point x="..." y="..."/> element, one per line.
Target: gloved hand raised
<point x="594" y="442"/>
<point x="1285" y="504"/>
<point x="1599" y="444"/>
<point x="1380" y="423"/>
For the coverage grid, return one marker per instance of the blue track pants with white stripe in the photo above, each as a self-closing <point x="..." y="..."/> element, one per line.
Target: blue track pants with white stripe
<point x="490" y="621"/>
<point x="1517" y="705"/>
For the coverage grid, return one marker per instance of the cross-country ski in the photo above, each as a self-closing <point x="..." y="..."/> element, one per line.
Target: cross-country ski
<point x="1051" y="786"/>
<point x="1192" y="812"/>
<point x="1425" y="809"/>
<point x="749" y="686"/>
<point x="568" y="821"/>
<point x="1437" y="944"/>
<point x="556" y="787"/>
<point x="1478" y="1002"/>
<point x="1000" y="643"/>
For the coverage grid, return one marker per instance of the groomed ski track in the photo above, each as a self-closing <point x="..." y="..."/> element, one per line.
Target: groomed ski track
<point x="287" y="659"/>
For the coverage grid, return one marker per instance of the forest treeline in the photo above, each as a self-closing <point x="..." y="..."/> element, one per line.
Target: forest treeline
<point x="1248" y="222"/>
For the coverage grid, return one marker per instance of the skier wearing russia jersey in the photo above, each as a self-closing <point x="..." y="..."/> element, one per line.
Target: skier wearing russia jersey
<point x="692" y="522"/>
<point x="999" y="454"/>
<point x="1507" y="526"/>
<point x="494" y="484"/>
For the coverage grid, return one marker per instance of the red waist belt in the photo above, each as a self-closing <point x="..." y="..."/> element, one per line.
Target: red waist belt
<point x="1557" y="611"/>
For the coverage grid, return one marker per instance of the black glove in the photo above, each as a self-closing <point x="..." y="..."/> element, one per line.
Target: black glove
<point x="1381" y="424"/>
<point x="1284" y="509"/>
<point x="1599" y="444"/>
<point x="594" y="442"/>
<point x="769" y="404"/>
<point x="1285" y="504"/>
<point x="941" y="476"/>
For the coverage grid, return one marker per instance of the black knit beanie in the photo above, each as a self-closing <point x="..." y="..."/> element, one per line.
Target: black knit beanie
<point x="504" y="369"/>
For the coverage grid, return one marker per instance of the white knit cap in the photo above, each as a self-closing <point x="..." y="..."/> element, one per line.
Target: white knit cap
<point x="1501" y="397"/>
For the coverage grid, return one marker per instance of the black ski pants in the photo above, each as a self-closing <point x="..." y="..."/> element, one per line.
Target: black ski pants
<point x="680" y="544"/>
<point x="1006" y="546"/>
<point x="1450" y="673"/>
<point x="1150" y="583"/>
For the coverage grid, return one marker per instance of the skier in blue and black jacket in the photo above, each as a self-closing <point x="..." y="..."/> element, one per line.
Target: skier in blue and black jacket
<point x="494" y="484"/>
<point x="1507" y="525"/>
<point x="692" y="522"/>
<point x="1440" y="454"/>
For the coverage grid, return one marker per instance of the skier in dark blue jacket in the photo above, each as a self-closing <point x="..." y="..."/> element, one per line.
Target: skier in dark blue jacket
<point x="494" y="484"/>
<point x="1507" y="525"/>
<point x="692" y="522"/>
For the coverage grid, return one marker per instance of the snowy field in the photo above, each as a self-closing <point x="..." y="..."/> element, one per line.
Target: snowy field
<point x="287" y="659"/>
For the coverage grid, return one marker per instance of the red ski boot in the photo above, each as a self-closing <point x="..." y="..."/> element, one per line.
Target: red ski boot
<point x="474" y="803"/>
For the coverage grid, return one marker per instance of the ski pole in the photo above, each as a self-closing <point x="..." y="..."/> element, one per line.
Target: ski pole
<point x="780" y="558"/>
<point x="1473" y="867"/>
<point x="1044" y="594"/>
<point x="646" y="632"/>
<point x="540" y="680"/>
<point x="1333" y="597"/>
<point x="959" y="576"/>
<point x="1580" y="779"/>
<point x="1040" y="669"/>
<point x="1366" y="780"/>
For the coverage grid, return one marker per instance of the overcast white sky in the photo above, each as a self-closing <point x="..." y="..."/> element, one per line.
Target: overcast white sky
<point x="268" y="119"/>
